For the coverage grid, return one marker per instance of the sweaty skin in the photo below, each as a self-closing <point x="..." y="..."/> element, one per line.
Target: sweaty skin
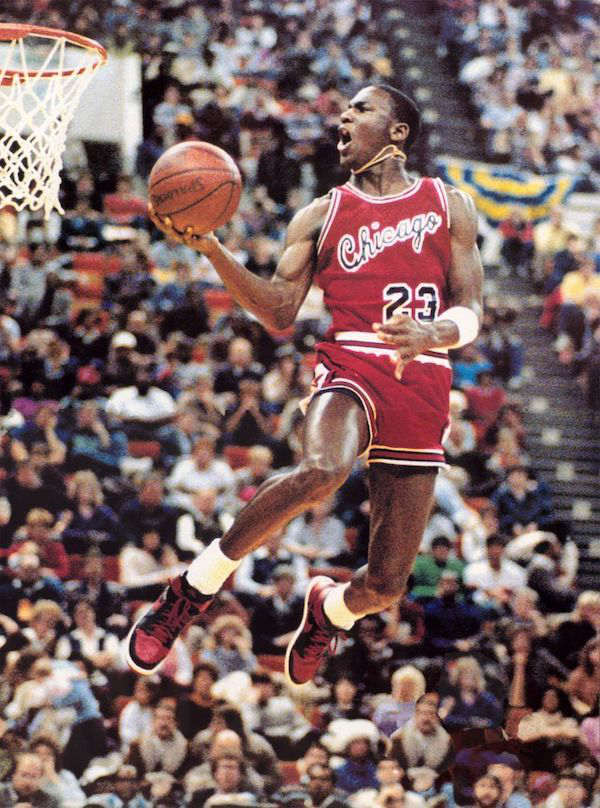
<point x="335" y="428"/>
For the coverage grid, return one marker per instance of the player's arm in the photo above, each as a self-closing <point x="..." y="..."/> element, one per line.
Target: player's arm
<point x="276" y="301"/>
<point x="460" y="324"/>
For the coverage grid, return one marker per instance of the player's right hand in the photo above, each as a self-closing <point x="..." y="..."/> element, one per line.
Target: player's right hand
<point x="205" y="243"/>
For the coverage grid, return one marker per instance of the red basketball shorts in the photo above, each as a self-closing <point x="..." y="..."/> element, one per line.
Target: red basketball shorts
<point x="408" y="417"/>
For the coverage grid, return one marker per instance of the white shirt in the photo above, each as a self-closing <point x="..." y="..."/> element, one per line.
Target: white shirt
<point x="481" y="575"/>
<point x="88" y="645"/>
<point x="128" y="403"/>
<point x="186" y="474"/>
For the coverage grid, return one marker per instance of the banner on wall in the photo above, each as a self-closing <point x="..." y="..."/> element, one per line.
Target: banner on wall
<point x="497" y="190"/>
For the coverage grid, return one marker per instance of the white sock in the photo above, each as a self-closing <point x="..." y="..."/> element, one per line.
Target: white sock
<point x="211" y="569"/>
<point x="336" y="610"/>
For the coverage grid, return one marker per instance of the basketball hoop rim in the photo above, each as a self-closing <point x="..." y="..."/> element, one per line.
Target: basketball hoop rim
<point x="10" y="31"/>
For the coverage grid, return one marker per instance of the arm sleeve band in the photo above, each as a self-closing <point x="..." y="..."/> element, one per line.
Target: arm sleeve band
<point x="465" y="320"/>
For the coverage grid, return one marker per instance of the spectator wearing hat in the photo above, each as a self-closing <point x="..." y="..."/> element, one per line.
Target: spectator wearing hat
<point x="25" y="785"/>
<point x="428" y="569"/>
<point x="120" y="369"/>
<point x="496" y="579"/>
<point x="274" y="619"/>
<point x="91" y="444"/>
<point x="145" y="344"/>
<point x="360" y="769"/>
<point x="422" y="741"/>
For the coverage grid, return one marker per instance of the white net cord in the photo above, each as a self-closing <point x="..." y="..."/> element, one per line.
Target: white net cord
<point x="36" y="107"/>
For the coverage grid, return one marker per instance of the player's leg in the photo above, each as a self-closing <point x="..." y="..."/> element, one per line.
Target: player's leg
<point x="335" y="432"/>
<point x="401" y="502"/>
<point x="400" y="505"/>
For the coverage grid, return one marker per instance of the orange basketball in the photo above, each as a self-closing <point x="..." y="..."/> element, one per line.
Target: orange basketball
<point x="196" y="184"/>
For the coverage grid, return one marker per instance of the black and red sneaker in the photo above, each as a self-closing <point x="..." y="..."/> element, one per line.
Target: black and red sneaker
<point x="314" y="637"/>
<point x="153" y="635"/>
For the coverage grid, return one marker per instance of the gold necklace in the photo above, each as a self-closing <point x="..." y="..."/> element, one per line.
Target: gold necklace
<point x="388" y="151"/>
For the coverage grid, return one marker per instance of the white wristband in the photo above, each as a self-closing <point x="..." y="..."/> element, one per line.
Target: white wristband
<point x="465" y="320"/>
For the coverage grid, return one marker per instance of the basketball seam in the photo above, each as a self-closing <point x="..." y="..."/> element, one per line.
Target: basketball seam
<point x="198" y="201"/>
<point x="154" y="183"/>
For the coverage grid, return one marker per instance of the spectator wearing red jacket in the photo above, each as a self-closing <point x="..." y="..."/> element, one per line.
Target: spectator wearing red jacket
<point x="517" y="244"/>
<point x="40" y="529"/>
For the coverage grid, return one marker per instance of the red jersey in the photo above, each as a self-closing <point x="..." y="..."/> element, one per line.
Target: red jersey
<point x="381" y="256"/>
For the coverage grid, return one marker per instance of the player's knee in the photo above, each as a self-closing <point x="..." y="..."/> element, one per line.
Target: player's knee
<point x="320" y="480"/>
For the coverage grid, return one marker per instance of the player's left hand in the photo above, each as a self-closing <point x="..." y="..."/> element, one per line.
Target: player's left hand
<point x="203" y="243"/>
<point x="409" y="336"/>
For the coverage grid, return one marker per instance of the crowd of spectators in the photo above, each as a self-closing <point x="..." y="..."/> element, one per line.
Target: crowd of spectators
<point x="140" y="410"/>
<point x="532" y="69"/>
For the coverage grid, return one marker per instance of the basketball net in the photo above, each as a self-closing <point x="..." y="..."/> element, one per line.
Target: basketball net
<point x="37" y="104"/>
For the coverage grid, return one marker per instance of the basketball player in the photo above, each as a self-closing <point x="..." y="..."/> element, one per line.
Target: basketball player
<point x="401" y="274"/>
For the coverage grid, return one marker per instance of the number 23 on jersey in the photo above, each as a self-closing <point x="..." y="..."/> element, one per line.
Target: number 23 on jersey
<point x="422" y="303"/>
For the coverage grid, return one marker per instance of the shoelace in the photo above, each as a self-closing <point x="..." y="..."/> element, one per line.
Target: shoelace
<point x="166" y="625"/>
<point x="320" y="641"/>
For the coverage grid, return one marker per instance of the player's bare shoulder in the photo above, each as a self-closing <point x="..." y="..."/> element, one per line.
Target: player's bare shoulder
<point x="306" y="224"/>
<point x="463" y="214"/>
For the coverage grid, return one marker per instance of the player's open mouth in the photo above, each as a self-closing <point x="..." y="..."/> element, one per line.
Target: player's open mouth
<point x="344" y="140"/>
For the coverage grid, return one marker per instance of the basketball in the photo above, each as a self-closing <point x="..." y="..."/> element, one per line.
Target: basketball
<point x="197" y="185"/>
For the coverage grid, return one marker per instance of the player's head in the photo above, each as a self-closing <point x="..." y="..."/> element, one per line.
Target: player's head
<point x="377" y="116"/>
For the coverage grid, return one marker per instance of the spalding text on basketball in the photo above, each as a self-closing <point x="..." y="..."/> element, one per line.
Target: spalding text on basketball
<point x="354" y="252"/>
<point x="159" y="198"/>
